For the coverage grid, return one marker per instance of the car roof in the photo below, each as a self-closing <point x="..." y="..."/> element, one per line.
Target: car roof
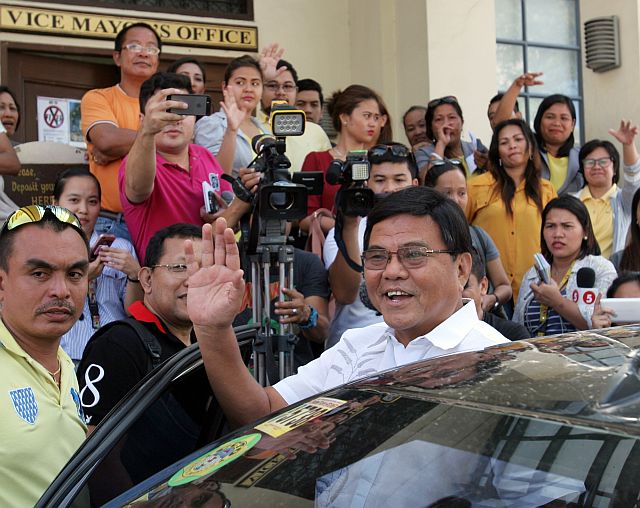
<point x="585" y="379"/>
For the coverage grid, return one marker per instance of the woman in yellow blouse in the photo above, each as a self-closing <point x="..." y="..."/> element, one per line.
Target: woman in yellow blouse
<point x="507" y="201"/>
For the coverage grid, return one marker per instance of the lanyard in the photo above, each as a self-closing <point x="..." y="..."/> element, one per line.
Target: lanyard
<point x="544" y="310"/>
<point x="93" y="304"/>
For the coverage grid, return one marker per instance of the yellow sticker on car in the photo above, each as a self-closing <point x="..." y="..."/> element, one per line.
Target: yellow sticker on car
<point x="214" y="460"/>
<point x="300" y="415"/>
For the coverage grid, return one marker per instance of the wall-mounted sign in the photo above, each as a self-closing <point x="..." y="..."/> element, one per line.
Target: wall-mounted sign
<point x="98" y="26"/>
<point x="59" y="121"/>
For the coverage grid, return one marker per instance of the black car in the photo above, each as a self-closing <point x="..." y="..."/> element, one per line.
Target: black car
<point x="550" y="422"/>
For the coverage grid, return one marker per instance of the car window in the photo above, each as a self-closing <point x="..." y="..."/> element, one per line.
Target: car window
<point x="385" y="450"/>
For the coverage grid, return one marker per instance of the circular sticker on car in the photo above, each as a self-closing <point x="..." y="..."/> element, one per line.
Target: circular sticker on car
<point x="214" y="460"/>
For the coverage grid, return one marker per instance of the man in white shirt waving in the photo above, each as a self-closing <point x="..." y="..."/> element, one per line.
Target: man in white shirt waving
<point x="416" y="262"/>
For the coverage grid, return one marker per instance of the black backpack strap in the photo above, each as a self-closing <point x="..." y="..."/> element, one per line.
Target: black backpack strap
<point x="149" y="340"/>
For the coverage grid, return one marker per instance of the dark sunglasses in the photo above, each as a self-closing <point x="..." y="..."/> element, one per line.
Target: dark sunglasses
<point x="447" y="99"/>
<point x="382" y="150"/>
<point x="441" y="162"/>
<point x="36" y="213"/>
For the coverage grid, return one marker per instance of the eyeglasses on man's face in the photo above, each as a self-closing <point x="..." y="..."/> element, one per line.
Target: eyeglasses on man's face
<point x="273" y="86"/>
<point x="175" y="268"/>
<point x="409" y="257"/>
<point x="137" y="48"/>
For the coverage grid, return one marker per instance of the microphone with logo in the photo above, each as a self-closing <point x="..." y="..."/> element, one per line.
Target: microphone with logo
<point x="585" y="294"/>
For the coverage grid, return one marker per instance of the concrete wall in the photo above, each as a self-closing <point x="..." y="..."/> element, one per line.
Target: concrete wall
<point x="612" y="95"/>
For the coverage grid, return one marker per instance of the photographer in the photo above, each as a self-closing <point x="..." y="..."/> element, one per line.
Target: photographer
<point x="392" y="168"/>
<point x="161" y="179"/>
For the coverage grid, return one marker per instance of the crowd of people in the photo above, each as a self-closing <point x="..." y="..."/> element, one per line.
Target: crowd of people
<point x="443" y="263"/>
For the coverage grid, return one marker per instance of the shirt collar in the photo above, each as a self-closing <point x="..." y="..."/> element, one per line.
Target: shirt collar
<point x="9" y="343"/>
<point x="140" y="312"/>
<point x="586" y="193"/>
<point x="451" y="331"/>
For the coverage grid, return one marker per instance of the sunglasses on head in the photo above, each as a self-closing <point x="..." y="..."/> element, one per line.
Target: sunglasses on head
<point x="396" y="150"/>
<point x="447" y="99"/>
<point x="36" y="213"/>
<point x="441" y="162"/>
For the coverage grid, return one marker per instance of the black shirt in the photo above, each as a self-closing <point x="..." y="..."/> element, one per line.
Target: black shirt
<point x="510" y="329"/>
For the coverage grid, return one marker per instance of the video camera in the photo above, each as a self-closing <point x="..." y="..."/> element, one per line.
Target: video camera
<point x="354" y="199"/>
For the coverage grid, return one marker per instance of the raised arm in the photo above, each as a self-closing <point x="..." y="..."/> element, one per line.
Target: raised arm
<point x="214" y="297"/>
<point x="508" y="101"/>
<point x="140" y="171"/>
<point x="344" y="280"/>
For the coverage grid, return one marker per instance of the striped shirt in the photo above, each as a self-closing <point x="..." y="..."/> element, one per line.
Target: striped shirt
<point x="111" y="287"/>
<point x="555" y="322"/>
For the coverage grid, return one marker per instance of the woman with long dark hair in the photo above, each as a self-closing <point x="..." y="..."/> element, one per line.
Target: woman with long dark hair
<point x="628" y="259"/>
<point x="568" y="244"/>
<point x="507" y="201"/>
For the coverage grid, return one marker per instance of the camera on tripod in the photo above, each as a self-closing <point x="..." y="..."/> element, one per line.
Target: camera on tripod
<point x="278" y="197"/>
<point x="354" y="198"/>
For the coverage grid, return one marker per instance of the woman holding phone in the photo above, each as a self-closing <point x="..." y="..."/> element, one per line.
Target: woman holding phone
<point x="113" y="271"/>
<point x="568" y="244"/>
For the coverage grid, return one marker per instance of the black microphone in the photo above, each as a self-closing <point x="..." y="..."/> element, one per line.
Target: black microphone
<point x="584" y="295"/>
<point x="586" y="277"/>
<point x="261" y="142"/>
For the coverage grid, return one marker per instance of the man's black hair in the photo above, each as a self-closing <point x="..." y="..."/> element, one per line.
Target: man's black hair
<point x="294" y="74"/>
<point x="498" y="97"/>
<point x="477" y="265"/>
<point x="410" y="160"/>
<point x="7" y="237"/>
<point x="122" y="33"/>
<point x="308" y="84"/>
<point x="162" y="80"/>
<point x="155" y="247"/>
<point x="425" y="202"/>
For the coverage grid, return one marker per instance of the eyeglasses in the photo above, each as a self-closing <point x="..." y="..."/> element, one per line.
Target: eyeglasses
<point x="410" y="257"/>
<point x="137" y="48"/>
<point x="272" y="86"/>
<point x="177" y="268"/>
<point x="591" y="163"/>
<point x="36" y="213"/>
<point x="447" y="99"/>
<point x="396" y="149"/>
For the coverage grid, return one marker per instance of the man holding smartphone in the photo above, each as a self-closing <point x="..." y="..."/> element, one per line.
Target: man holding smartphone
<point x="161" y="180"/>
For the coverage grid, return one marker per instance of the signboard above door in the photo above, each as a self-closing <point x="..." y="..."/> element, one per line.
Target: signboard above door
<point x="16" y="18"/>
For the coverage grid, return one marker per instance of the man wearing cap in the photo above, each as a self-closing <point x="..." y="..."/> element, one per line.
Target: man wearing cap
<point x="44" y="259"/>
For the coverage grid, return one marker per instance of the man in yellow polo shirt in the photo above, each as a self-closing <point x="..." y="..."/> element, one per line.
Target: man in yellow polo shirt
<point x="44" y="262"/>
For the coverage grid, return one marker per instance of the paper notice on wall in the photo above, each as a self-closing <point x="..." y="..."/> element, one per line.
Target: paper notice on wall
<point x="59" y="121"/>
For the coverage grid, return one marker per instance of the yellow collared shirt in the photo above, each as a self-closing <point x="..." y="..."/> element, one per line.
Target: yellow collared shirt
<point x="558" y="170"/>
<point x="601" y="214"/>
<point x="41" y="425"/>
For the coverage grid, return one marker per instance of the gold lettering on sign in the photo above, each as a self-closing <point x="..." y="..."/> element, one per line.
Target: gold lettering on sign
<point x="211" y="35"/>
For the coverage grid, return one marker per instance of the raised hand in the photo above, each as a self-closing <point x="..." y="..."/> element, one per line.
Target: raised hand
<point x="215" y="284"/>
<point x="601" y="317"/>
<point x="528" y="79"/>
<point x="235" y="115"/>
<point x="269" y="58"/>
<point x="120" y="259"/>
<point x="626" y="133"/>
<point x="156" y="114"/>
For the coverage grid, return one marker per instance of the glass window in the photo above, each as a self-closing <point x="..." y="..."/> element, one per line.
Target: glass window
<point x="509" y="19"/>
<point x="552" y="21"/>
<point x="545" y="40"/>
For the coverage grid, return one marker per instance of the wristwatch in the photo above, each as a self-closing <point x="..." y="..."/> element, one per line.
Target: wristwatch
<point x="312" y="321"/>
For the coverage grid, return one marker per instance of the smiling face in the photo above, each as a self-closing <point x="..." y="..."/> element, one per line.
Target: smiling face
<point x="414" y="301"/>
<point x="563" y="234"/>
<point x="140" y="66"/>
<point x="81" y="196"/>
<point x="44" y="289"/>
<point x="8" y="113"/>
<point x="513" y="148"/>
<point x="245" y="84"/>
<point x="363" y="125"/>
<point x="193" y="72"/>
<point x="556" y="124"/>
<point x="415" y="127"/>
<point x="596" y="175"/>
<point x="445" y="116"/>
<point x="166" y="290"/>
<point x="453" y="184"/>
